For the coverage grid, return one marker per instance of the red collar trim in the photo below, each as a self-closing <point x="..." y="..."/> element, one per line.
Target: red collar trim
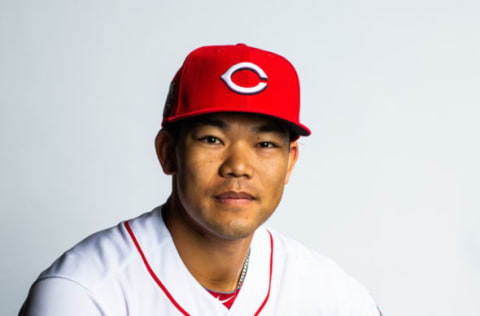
<point x="167" y="293"/>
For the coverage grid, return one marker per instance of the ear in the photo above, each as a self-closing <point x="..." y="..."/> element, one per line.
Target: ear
<point x="292" y="159"/>
<point x="165" y="147"/>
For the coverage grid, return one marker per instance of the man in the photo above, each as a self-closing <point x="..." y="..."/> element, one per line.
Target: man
<point x="228" y="140"/>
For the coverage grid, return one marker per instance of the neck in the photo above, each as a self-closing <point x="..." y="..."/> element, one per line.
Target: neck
<point x="215" y="262"/>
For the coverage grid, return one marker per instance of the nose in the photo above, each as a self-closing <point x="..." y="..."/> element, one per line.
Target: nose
<point x="237" y="162"/>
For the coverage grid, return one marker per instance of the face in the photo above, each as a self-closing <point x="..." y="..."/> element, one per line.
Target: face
<point x="230" y="171"/>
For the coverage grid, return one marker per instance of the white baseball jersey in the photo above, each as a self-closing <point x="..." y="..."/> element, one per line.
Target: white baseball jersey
<point x="134" y="269"/>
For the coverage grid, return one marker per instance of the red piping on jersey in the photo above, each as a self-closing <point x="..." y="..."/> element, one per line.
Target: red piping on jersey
<point x="154" y="276"/>
<point x="270" y="278"/>
<point x="164" y="289"/>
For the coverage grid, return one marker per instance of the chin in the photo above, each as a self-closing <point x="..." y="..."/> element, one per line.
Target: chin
<point x="233" y="230"/>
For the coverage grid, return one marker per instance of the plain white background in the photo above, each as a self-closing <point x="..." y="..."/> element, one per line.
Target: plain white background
<point x="387" y="185"/>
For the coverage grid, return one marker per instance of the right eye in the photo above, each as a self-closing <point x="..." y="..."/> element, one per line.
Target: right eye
<point x="210" y="140"/>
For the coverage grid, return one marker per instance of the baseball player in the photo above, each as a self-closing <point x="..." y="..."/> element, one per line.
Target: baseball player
<point x="228" y="140"/>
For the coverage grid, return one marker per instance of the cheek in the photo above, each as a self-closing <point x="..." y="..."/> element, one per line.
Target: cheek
<point x="196" y="172"/>
<point x="274" y="175"/>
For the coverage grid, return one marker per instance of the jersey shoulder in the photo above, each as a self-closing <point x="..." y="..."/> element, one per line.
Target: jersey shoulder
<point x="101" y="256"/>
<point x="320" y="279"/>
<point x="295" y="253"/>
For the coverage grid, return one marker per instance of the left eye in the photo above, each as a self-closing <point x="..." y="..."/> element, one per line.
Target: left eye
<point x="266" y="145"/>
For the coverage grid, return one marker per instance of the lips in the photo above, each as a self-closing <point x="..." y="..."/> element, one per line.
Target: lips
<point x="234" y="195"/>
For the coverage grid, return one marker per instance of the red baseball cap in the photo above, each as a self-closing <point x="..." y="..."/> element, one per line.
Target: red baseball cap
<point x="235" y="78"/>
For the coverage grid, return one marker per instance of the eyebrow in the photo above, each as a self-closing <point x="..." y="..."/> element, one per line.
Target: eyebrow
<point x="261" y="128"/>
<point x="270" y="127"/>
<point x="210" y="122"/>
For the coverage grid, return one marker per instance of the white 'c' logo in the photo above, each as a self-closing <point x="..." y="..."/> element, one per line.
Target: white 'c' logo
<point x="227" y="78"/>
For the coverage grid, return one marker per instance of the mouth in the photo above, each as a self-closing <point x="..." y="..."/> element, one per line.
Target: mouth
<point x="234" y="198"/>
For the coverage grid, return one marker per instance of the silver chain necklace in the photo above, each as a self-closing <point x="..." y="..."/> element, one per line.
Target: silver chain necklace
<point x="244" y="270"/>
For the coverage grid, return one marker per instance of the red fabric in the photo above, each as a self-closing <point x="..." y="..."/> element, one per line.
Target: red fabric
<point x="227" y="299"/>
<point x="198" y="87"/>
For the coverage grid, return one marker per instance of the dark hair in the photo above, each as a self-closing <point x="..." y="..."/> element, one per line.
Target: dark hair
<point x="174" y="130"/>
